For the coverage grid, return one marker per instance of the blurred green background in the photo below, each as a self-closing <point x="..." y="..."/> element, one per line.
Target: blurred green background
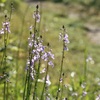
<point x="82" y="21"/>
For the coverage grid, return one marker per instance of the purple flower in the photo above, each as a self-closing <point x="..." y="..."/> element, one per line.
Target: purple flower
<point x="50" y="63"/>
<point x="84" y="93"/>
<point x="5" y="27"/>
<point x="36" y="16"/>
<point x="47" y="56"/>
<point x="64" y="38"/>
<point x="50" y="55"/>
<point x="40" y="47"/>
<point x="66" y="48"/>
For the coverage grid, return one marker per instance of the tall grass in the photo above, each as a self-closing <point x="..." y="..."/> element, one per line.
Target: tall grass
<point x="40" y="57"/>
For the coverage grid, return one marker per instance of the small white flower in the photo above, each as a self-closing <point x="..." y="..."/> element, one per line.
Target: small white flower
<point x="83" y="85"/>
<point x="98" y="97"/>
<point x="48" y="80"/>
<point x="90" y="59"/>
<point x="43" y="71"/>
<point x="74" y="94"/>
<point x="72" y="74"/>
<point x="2" y="31"/>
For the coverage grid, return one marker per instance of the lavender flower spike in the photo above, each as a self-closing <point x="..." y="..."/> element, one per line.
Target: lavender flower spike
<point x="63" y="36"/>
<point x="36" y="15"/>
<point x="5" y="27"/>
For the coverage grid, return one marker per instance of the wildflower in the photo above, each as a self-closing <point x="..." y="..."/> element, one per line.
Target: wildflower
<point x="30" y="28"/>
<point x="2" y="31"/>
<point x="40" y="80"/>
<point x="90" y="59"/>
<point x="70" y="88"/>
<point x="43" y="71"/>
<point x="5" y="27"/>
<point x="48" y="82"/>
<point x="47" y="56"/>
<point x="60" y="80"/>
<point x="60" y="36"/>
<point x="64" y="37"/>
<point x="72" y="74"/>
<point x="32" y="75"/>
<point x="50" y="63"/>
<point x="40" y="47"/>
<point x="65" y="99"/>
<point x="36" y="15"/>
<point x="83" y="85"/>
<point x="74" y="94"/>
<point x="98" y="97"/>
<point x="48" y="98"/>
<point x="31" y="41"/>
<point x="84" y="93"/>
<point x="36" y="50"/>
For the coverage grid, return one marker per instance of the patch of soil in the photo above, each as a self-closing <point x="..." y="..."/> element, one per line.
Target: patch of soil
<point x="93" y="33"/>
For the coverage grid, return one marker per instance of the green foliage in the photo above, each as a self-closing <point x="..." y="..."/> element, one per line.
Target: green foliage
<point x="2" y="1"/>
<point x="54" y="16"/>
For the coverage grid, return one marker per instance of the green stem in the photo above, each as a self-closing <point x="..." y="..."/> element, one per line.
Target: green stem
<point x="4" y="63"/>
<point x="25" y="86"/>
<point x="37" y="77"/>
<point x="61" y="68"/>
<point x="39" y="27"/>
<point x="35" y="30"/>
<point x="85" y="66"/>
<point x="44" y="81"/>
<point x="62" y="87"/>
<point x="4" y="97"/>
<point x="7" y="91"/>
<point x="28" y="86"/>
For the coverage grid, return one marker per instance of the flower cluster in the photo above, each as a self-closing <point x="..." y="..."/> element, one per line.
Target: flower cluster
<point x="36" y="15"/>
<point x="64" y="37"/>
<point x="47" y="56"/>
<point x="5" y="27"/>
<point x="48" y="82"/>
<point x="98" y="97"/>
<point x="38" y="51"/>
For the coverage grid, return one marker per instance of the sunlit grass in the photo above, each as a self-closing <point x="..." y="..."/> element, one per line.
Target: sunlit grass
<point x="53" y="17"/>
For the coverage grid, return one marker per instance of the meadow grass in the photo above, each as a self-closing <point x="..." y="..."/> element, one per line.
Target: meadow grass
<point x="81" y="78"/>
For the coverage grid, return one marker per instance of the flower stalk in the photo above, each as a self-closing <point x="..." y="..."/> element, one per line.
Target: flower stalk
<point x="64" y="37"/>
